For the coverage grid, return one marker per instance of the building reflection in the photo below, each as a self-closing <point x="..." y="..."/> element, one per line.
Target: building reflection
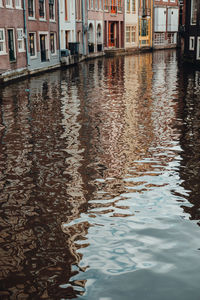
<point x="190" y="139"/>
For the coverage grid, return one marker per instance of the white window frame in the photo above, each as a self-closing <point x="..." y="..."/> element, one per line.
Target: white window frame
<point x="40" y="18"/>
<point x="20" y="4"/>
<point x="191" y="43"/>
<point x="9" y="4"/>
<point x="3" y="41"/>
<point x="35" y="45"/>
<point x="29" y="17"/>
<point x="198" y="48"/>
<point x="54" y="12"/>
<point x="191" y="13"/>
<point x="1" y="3"/>
<point x="20" y="38"/>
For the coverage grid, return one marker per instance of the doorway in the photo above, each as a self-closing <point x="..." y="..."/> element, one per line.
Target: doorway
<point x="111" y="35"/>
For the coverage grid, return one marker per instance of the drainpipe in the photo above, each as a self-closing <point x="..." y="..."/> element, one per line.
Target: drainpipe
<point x="83" y="25"/>
<point x="59" y="45"/>
<point x="25" y="31"/>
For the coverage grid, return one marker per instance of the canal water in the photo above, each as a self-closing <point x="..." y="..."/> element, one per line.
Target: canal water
<point x="100" y="182"/>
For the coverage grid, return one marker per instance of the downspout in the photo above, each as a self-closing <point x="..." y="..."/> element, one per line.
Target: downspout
<point x="152" y="22"/>
<point x="59" y="45"/>
<point x="25" y="31"/>
<point x="83" y="25"/>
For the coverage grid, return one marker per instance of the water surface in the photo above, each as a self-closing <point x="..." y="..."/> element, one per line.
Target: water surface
<point x="99" y="179"/>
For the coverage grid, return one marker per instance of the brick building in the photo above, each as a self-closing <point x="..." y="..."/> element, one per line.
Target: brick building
<point x="42" y="34"/>
<point x="95" y="26"/>
<point x="114" y="23"/>
<point x="12" y="43"/>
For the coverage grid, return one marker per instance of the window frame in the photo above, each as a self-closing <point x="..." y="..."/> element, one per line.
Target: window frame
<point x="42" y="17"/>
<point x="50" y="18"/>
<point x="31" y="17"/>
<point x="3" y="41"/>
<point x="20" y="40"/>
<point x="10" y="5"/>
<point x="35" y="45"/>
<point x="191" y="43"/>
<point x="18" y="6"/>
<point x="54" y="39"/>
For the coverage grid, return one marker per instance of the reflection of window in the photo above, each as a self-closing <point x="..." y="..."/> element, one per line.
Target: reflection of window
<point x="20" y="40"/>
<point x="191" y="44"/>
<point x="31" y="10"/>
<point x="128" y="29"/>
<point x="41" y="9"/>
<point x="193" y="12"/>
<point x="171" y="38"/>
<point x="2" y="42"/>
<point x="32" y="44"/>
<point x="53" y="43"/>
<point x="51" y="10"/>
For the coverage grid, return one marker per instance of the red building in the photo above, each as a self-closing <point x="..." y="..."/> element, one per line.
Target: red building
<point x="42" y="34"/>
<point x="166" y="21"/>
<point x="12" y="43"/>
<point x="114" y="23"/>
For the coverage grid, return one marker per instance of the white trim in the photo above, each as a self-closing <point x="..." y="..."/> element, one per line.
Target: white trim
<point x="3" y="41"/>
<point x="191" y="43"/>
<point x="198" y="48"/>
<point x="35" y="45"/>
<point x="20" y="38"/>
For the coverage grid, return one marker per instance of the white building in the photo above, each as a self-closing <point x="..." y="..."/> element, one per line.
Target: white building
<point x="166" y="20"/>
<point x="131" y="24"/>
<point x="67" y="26"/>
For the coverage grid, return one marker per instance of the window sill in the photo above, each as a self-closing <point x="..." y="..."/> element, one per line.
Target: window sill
<point x="42" y="20"/>
<point x="32" y="18"/>
<point x="3" y="53"/>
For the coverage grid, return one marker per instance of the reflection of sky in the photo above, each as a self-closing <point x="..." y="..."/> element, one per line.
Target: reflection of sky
<point x="140" y="234"/>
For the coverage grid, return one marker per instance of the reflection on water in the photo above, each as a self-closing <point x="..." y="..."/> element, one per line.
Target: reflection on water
<point x="100" y="181"/>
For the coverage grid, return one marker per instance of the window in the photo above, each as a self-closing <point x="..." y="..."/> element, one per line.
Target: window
<point x="2" y="42"/>
<point x="128" y="3"/>
<point x="120" y="5"/>
<point x="20" y="40"/>
<point x="191" y="44"/>
<point x="31" y="8"/>
<point x="171" y="38"/>
<point x="1" y="3"/>
<point x="53" y="43"/>
<point x="193" y="20"/>
<point x="32" y="44"/>
<point x="9" y="3"/>
<point x="159" y="38"/>
<point x="133" y="6"/>
<point x="106" y="4"/>
<point x="128" y="30"/>
<point x="41" y="9"/>
<point x="198" y="48"/>
<point x="18" y="4"/>
<point x="130" y="34"/>
<point x="66" y="10"/>
<point x="51" y="10"/>
<point x="11" y="45"/>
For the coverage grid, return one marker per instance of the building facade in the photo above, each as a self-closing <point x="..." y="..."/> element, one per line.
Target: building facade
<point x="82" y="26"/>
<point x="12" y="43"/>
<point x="42" y="34"/>
<point x="67" y="14"/>
<point x="192" y="31"/>
<point x="95" y="26"/>
<point x="166" y="23"/>
<point x="145" y="23"/>
<point x="114" y="23"/>
<point x="131" y="24"/>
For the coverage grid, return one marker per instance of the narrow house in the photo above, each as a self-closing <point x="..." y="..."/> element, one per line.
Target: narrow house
<point x="145" y="21"/>
<point x="12" y="44"/>
<point x="95" y="26"/>
<point x="131" y="24"/>
<point x="166" y="23"/>
<point x="114" y="23"/>
<point x="42" y="35"/>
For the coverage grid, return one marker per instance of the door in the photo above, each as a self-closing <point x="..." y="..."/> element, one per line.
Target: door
<point x="111" y="41"/>
<point x="11" y="45"/>
<point x="43" y="47"/>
